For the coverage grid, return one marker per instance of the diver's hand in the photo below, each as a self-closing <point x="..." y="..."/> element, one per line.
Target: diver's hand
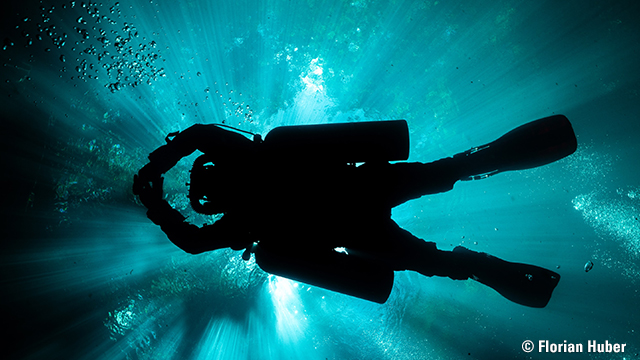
<point x="149" y="190"/>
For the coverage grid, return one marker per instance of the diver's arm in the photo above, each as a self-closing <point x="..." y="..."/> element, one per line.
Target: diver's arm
<point x="193" y="239"/>
<point x="219" y="144"/>
<point x="182" y="234"/>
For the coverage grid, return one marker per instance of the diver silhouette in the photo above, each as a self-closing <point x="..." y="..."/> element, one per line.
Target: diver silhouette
<point x="299" y="201"/>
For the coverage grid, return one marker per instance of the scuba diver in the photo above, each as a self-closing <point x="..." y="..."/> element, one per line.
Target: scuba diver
<point x="313" y="203"/>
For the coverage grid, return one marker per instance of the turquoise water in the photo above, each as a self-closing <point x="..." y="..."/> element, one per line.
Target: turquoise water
<point x="86" y="275"/>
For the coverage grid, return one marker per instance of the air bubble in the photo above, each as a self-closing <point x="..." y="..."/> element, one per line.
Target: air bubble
<point x="588" y="266"/>
<point x="7" y="43"/>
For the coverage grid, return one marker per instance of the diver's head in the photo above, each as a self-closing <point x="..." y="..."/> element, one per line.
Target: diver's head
<point x="206" y="194"/>
<point x="210" y="204"/>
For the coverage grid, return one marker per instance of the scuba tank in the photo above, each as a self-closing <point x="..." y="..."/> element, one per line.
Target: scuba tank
<point x="336" y="144"/>
<point x="345" y="142"/>
<point x="346" y="274"/>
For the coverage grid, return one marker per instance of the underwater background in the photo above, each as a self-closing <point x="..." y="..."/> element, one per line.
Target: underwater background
<point x="89" y="89"/>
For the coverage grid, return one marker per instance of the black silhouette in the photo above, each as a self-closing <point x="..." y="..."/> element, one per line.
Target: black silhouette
<point x="295" y="198"/>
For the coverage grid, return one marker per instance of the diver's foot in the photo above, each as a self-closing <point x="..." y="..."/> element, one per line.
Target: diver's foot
<point x="524" y="284"/>
<point x="534" y="144"/>
<point x="481" y="162"/>
<point x="444" y="264"/>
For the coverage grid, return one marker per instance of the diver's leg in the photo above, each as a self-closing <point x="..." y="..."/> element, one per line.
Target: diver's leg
<point x="531" y="145"/>
<point x="397" y="183"/>
<point x="404" y="251"/>
<point x="524" y="284"/>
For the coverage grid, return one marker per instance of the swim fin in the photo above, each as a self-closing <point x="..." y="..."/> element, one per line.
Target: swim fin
<point x="524" y="284"/>
<point x="531" y="145"/>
